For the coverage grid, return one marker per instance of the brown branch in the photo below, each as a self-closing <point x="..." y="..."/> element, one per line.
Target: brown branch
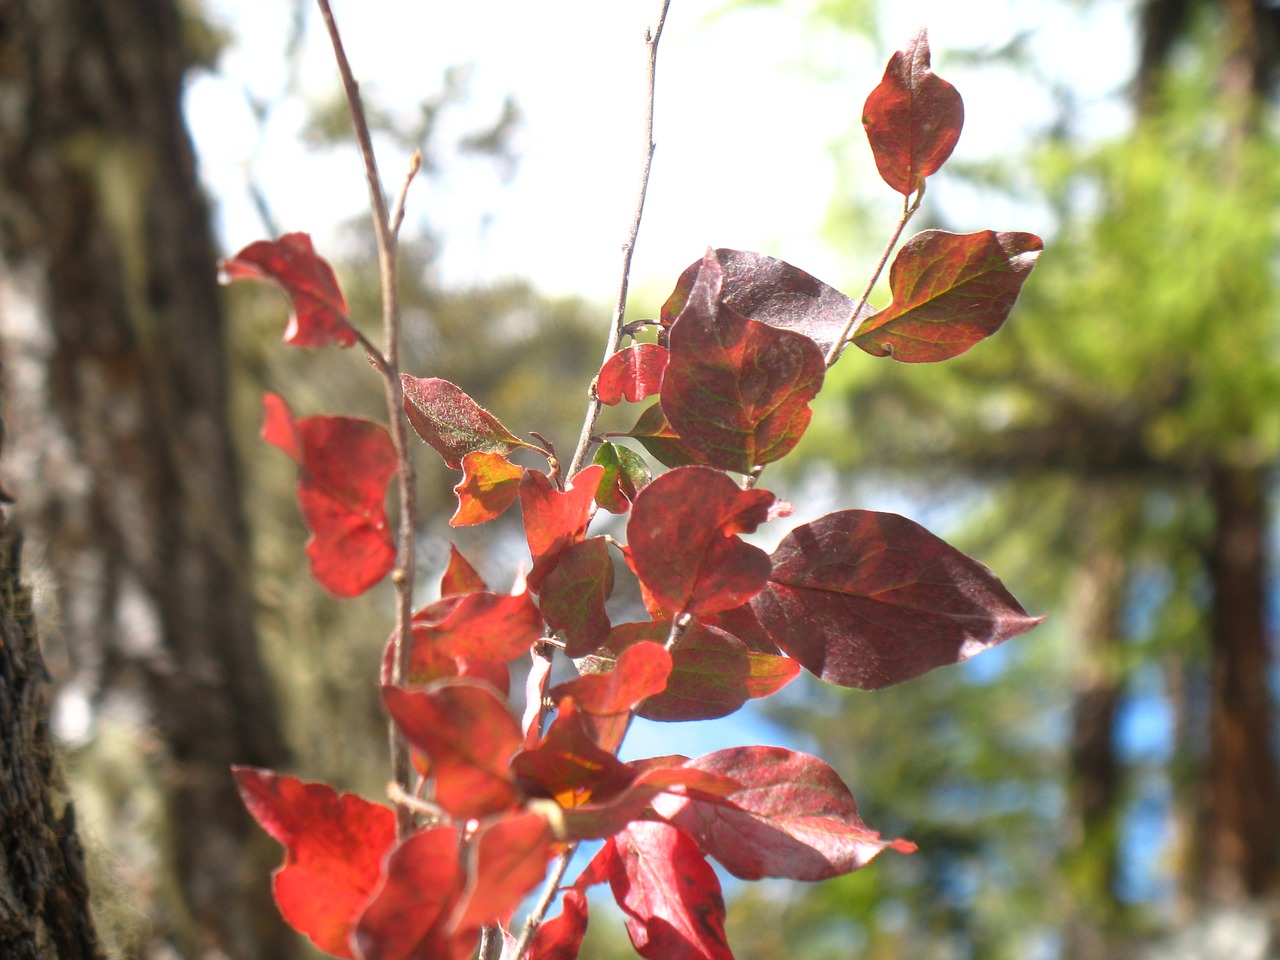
<point x="651" y="39"/>
<point x="539" y="911"/>
<point x="385" y="230"/>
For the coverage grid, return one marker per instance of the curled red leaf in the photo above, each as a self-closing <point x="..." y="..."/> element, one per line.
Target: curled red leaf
<point x="319" y="314"/>
<point x="346" y="466"/>
<point x="554" y="519"/>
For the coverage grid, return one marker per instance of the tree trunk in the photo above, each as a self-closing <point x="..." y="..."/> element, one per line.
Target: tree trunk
<point x="44" y="900"/>
<point x="1094" y="769"/>
<point x="122" y="461"/>
<point x="1239" y="829"/>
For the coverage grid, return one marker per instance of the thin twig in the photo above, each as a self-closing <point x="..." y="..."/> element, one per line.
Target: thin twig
<point x="385" y="233"/>
<point x="620" y="305"/>
<point x="539" y="911"/>
<point x="433" y="812"/>
<point x="909" y="209"/>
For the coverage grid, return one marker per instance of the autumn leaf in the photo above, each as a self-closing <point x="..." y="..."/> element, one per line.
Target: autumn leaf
<point x="631" y="374"/>
<point x="793" y="817"/>
<point x="773" y="292"/>
<point x="574" y="592"/>
<point x="554" y="519"/>
<point x="346" y="465"/>
<point x="912" y="119"/>
<point x="490" y="484"/>
<point x="625" y="475"/>
<point x="607" y="698"/>
<point x="409" y="917"/>
<point x="451" y="422"/>
<point x="334" y="844"/>
<point x="470" y="736"/>
<point x="661" y="440"/>
<point x="950" y="291"/>
<point x="669" y="893"/>
<point x="683" y="541"/>
<point x="319" y="314"/>
<point x="737" y="391"/>
<point x="867" y="600"/>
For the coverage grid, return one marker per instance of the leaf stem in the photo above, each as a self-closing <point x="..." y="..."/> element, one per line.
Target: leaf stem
<point x="909" y="209"/>
<point x="651" y="39"/>
<point x="386" y="230"/>
<point x="539" y="911"/>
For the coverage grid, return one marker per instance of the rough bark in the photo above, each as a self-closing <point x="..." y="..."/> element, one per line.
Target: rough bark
<point x="122" y="459"/>
<point x="44" y="900"/>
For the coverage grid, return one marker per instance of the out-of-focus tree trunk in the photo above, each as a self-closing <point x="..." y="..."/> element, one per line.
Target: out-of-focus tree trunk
<point x="1238" y="829"/>
<point x="121" y="455"/>
<point x="44" y="901"/>
<point x="1094" y="770"/>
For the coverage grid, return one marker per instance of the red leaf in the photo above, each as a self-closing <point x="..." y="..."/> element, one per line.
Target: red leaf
<point x="567" y="766"/>
<point x="670" y="894"/>
<point x="460" y="576"/>
<point x="346" y="465"/>
<point x="490" y="483"/>
<point x="408" y="918"/>
<point x="508" y="860"/>
<point x="867" y="599"/>
<point x="737" y="391"/>
<point x="913" y="118"/>
<point x="452" y="422"/>
<point x="560" y="938"/>
<point x="605" y="815"/>
<point x="625" y="475"/>
<point x="574" y="592"/>
<point x="773" y="292"/>
<point x="712" y="675"/>
<point x="631" y="374"/>
<point x="553" y="520"/>
<point x="427" y="663"/>
<point x="607" y="699"/>
<point x="319" y="315"/>
<point x="334" y="845"/>
<point x="683" y="543"/>
<point x="950" y="291"/>
<point x="793" y="817"/>
<point x="497" y="627"/>
<point x="658" y="437"/>
<point x="470" y="737"/>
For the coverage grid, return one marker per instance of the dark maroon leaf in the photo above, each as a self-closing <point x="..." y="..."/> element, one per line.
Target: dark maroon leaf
<point x="737" y="391"/>
<point x="319" y="315"/>
<point x="684" y="545"/>
<point x="669" y="893"/>
<point x="773" y="292"/>
<point x="452" y="422"/>
<point x="913" y="118"/>
<point x="867" y="599"/>
<point x="631" y="374"/>
<point x="950" y="291"/>
<point x="712" y="675"/>
<point x="793" y="817"/>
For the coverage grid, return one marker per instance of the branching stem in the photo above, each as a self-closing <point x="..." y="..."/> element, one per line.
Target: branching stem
<point x="386" y="228"/>
<point x="909" y="208"/>
<point x="620" y="304"/>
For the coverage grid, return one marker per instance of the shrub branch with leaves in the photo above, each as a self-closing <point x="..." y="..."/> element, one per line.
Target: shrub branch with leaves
<point x="488" y="805"/>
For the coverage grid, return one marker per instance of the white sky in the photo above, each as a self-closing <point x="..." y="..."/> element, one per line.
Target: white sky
<point x="748" y="105"/>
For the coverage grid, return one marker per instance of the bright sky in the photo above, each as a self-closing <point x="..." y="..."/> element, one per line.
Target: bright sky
<point x="748" y="104"/>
